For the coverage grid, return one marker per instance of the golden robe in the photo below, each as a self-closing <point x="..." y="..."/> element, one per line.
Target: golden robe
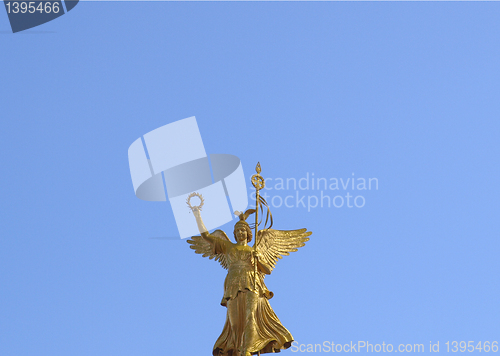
<point x="251" y="324"/>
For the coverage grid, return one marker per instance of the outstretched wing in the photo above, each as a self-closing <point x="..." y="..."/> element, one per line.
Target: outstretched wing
<point x="273" y="244"/>
<point x="204" y="248"/>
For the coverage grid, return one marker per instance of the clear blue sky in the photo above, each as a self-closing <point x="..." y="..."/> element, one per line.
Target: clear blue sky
<point x="407" y="93"/>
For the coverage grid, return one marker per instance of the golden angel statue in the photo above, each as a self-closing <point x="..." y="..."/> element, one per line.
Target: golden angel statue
<point x="251" y="327"/>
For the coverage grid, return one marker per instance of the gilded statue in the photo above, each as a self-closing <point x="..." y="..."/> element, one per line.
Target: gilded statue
<point x="251" y="327"/>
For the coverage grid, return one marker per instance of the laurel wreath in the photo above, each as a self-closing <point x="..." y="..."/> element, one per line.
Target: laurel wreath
<point x="188" y="201"/>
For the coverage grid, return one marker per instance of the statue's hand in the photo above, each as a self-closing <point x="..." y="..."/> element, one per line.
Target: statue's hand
<point x="196" y="211"/>
<point x="257" y="255"/>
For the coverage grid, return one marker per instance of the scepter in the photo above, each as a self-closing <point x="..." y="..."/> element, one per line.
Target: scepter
<point x="258" y="183"/>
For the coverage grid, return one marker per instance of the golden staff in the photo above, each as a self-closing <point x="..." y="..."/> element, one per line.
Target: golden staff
<point x="258" y="183"/>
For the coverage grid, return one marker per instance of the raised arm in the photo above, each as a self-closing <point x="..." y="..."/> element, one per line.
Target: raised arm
<point x="201" y="226"/>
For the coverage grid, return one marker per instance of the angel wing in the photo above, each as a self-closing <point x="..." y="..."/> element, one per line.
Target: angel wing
<point x="203" y="247"/>
<point x="273" y="244"/>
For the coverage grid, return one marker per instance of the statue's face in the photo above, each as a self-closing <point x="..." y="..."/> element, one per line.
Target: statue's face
<point x="240" y="233"/>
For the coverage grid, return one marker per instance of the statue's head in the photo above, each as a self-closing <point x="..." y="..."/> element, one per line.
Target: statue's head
<point x="241" y="229"/>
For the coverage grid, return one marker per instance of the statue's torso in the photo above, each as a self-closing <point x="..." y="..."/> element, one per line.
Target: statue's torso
<point x="240" y="276"/>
